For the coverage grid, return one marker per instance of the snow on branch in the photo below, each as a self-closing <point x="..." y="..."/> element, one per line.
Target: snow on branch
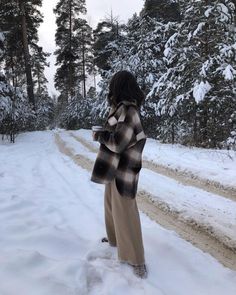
<point x="199" y="28"/>
<point x="229" y="73"/>
<point x="200" y="90"/>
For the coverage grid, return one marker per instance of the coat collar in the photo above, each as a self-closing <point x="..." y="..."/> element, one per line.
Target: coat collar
<point x="123" y="102"/>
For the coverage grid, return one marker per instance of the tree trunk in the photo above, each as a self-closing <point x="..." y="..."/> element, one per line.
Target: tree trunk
<point x="70" y="51"/>
<point x="195" y="130"/>
<point x="195" y="139"/>
<point x="84" y="74"/>
<point x="94" y="76"/>
<point x="172" y="133"/>
<point x="144" y="56"/>
<point x="39" y="84"/>
<point x="13" y="71"/>
<point x="28" y="71"/>
<point x="205" y="123"/>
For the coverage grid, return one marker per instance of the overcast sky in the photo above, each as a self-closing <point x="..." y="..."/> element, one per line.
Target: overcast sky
<point x="97" y="10"/>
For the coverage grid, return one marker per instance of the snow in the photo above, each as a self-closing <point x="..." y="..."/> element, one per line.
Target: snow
<point x="172" y="40"/>
<point x="204" y="209"/>
<point x="228" y="50"/>
<point x="224" y="12"/>
<point x="200" y="90"/>
<point x="5" y="105"/>
<point x="167" y="51"/>
<point x="77" y="147"/>
<point x="2" y="38"/>
<point x="208" y="11"/>
<point x="199" y="28"/>
<point x="214" y="165"/>
<point x="229" y="73"/>
<point x="189" y="36"/>
<point x="205" y="67"/>
<point x="52" y="220"/>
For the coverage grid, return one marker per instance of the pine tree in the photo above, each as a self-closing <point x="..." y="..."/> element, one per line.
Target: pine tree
<point x="44" y="103"/>
<point x="24" y="62"/>
<point x="85" y="54"/>
<point x="20" y="19"/>
<point x="104" y="34"/>
<point x="199" y="93"/>
<point x="67" y="19"/>
<point x="12" y="58"/>
<point x="5" y="100"/>
<point x="184" y="57"/>
<point x="163" y="10"/>
<point x="15" y="112"/>
<point x="146" y="43"/>
<point x="39" y="63"/>
<point x="28" y="68"/>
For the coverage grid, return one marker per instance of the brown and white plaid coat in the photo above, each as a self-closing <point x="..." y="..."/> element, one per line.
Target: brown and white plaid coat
<point x="121" y="146"/>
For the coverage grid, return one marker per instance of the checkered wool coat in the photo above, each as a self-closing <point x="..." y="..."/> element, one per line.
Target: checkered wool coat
<point x="120" y="153"/>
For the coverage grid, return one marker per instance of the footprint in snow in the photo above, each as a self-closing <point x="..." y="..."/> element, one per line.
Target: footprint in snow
<point x="99" y="254"/>
<point x="88" y="277"/>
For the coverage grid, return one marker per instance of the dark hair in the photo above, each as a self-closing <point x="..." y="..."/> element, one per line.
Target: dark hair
<point x="124" y="86"/>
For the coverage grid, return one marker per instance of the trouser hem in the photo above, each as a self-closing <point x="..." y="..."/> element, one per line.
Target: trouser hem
<point x="130" y="263"/>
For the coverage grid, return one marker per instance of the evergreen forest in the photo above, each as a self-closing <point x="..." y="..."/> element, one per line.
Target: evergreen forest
<point x="183" y="54"/>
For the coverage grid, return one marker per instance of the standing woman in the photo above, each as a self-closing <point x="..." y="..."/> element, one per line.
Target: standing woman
<point x="118" y="164"/>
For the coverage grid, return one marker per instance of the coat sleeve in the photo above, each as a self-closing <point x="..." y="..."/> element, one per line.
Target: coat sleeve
<point x="118" y="140"/>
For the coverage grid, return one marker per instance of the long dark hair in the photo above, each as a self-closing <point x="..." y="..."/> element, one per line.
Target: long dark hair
<point x="124" y="86"/>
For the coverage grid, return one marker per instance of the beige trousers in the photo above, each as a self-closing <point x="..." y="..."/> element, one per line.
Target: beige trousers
<point x="123" y="226"/>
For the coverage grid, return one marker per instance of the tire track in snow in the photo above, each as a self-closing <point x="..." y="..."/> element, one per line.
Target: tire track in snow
<point x="186" y="178"/>
<point x="197" y="235"/>
<point x="78" y="159"/>
<point x="84" y="142"/>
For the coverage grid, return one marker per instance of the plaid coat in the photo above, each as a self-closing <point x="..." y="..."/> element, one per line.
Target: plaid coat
<point x="120" y="153"/>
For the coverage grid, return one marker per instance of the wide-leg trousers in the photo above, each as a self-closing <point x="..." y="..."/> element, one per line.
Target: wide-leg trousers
<point x="123" y="225"/>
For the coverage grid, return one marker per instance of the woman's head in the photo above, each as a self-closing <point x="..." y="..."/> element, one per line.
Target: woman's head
<point x="123" y="86"/>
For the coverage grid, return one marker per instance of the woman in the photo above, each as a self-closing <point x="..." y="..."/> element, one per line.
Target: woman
<point x="117" y="166"/>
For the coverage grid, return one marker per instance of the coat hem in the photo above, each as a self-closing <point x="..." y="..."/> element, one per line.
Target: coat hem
<point x="100" y="181"/>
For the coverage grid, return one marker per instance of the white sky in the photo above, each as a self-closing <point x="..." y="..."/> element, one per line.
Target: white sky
<point x="97" y="10"/>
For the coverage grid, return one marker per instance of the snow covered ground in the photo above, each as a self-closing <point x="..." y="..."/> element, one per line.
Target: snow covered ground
<point x="210" y="211"/>
<point x="215" y="165"/>
<point x="51" y="221"/>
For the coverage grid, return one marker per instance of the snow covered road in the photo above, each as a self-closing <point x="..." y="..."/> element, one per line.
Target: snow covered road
<point x="211" y="170"/>
<point x="210" y="213"/>
<point x="51" y="223"/>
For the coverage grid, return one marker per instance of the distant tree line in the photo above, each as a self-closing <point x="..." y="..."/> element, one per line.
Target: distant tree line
<point x="183" y="54"/>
